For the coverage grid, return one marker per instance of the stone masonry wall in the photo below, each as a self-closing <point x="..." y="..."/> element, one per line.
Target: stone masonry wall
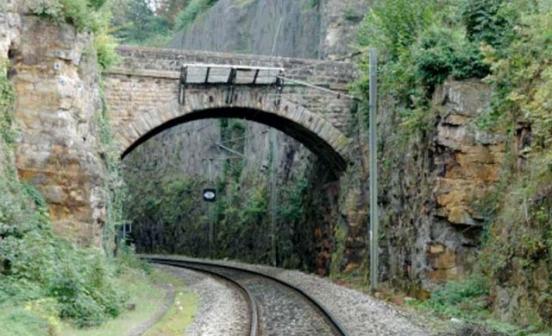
<point x="332" y="75"/>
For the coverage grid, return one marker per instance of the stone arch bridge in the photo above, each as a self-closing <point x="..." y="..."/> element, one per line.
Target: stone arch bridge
<point x="153" y="89"/>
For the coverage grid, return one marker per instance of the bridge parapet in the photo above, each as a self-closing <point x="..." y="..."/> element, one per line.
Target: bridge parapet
<point x="331" y="74"/>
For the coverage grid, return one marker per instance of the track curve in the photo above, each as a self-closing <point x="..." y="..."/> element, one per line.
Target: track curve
<point x="256" y="285"/>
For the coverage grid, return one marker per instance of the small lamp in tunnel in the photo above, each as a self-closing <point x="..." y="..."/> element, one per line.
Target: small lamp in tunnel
<point x="209" y="195"/>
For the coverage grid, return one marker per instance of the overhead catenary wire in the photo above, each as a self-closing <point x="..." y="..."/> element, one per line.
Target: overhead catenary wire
<point x="317" y="87"/>
<point x="340" y="59"/>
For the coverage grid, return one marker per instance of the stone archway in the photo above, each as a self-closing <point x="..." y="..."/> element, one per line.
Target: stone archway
<point x="142" y="108"/>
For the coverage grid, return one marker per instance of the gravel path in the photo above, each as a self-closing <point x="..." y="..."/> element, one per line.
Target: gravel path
<point x="222" y="309"/>
<point x="359" y="313"/>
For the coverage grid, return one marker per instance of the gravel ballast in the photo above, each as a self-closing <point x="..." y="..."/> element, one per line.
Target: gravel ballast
<point x="221" y="310"/>
<point x="359" y="313"/>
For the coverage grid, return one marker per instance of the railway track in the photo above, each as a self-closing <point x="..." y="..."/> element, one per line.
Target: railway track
<point x="275" y="307"/>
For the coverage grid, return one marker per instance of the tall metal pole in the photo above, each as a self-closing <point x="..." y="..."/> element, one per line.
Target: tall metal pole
<point x="211" y="213"/>
<point x="373" y="171"/>
<point x="273" y="196"/>
<point x="273" y="173"/>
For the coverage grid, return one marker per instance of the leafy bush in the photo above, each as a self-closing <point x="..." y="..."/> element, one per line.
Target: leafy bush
<point x="392" y="26"/>
<point x="81" y="13"/>
<point x="138" y="24"/>
<point x="6" y="102"/>
<point x="441" y="53"/>
<point x="52" y="9"/>
<point x="38" y="264"/>
<point x="422" y="43"/>
<point x="489" y="21"/>
<point x="522" y="75"/>
<point x="86" y="15"/>
<point x="461" y="298"/>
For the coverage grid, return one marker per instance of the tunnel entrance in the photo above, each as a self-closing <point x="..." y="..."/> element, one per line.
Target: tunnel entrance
<point x="274" y="197"/>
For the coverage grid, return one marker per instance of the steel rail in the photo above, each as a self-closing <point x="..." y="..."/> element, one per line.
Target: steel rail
<point x="330" y="319"/>
<point x="252" y="304"/>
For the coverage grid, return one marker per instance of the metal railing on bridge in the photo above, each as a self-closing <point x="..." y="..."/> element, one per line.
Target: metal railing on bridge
<point x="228" y="75"/>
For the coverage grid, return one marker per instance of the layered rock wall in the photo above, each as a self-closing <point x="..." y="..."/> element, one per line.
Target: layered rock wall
<point x="432" y="188"/>
<point x="56" y="82"/>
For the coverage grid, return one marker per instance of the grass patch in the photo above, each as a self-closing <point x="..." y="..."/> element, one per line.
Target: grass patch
<point x="180" y="315"/>
<point x="466" y="305"/>
<point x="466" y="299"/>
<point x="18" y="321"/>
<point x="356" y="279"/>
<point x="148" y="297"/>
<point x="144" y="294"/>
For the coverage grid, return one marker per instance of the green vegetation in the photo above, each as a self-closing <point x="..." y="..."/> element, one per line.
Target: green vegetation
<point x="6" y="102"/>
<point x="521" y="75"/>
<point x="469" y="300"/>
<point x="192" y="11"/>
<point x="159" y="209"/>
<point x="136" y="22"/>
<point x="180" y="313"/>
<point x="423" y="43"/>
<point x="114" y="186"/>
<point x="507" y="44"/>
<point x="465" y="299"/>
<point x="86" y="15"/>
<point x="42" y="277"/>
<point x="148" y="293"/>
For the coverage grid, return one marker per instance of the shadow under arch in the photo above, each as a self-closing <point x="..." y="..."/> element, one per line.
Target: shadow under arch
<point x="333" y="158"/>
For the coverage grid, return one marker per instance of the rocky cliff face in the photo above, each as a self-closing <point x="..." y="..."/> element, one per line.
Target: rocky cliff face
<point x="56" y="81"/>
<point x="432" y="186"/>
<point x="306" y="28"/>
<point x="467" y="165"/>
<point x="339" y="21"/>
<point x="279" y="28"/>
